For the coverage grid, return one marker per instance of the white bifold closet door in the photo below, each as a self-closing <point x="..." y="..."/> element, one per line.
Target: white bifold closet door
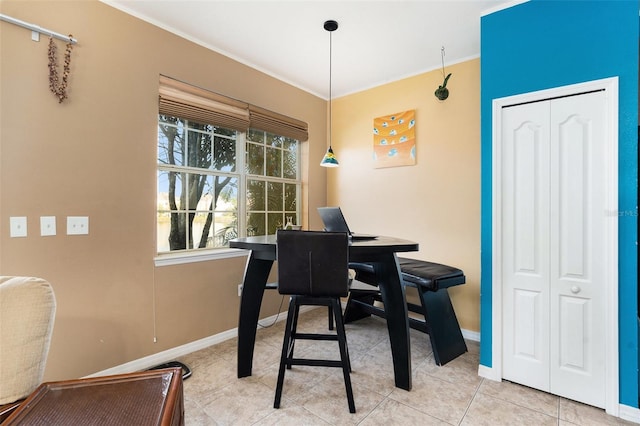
<point x="553" y="229"/>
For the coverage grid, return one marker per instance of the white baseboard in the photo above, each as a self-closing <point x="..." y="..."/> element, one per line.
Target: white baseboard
<point x="173" y="353"/>
<point x="168" y="355"/>
<point x="628" y="413"/>
<point x="471" y="335"/>
<point x="488" y="373"/>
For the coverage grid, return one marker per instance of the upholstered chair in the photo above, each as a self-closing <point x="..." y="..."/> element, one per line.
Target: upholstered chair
<point x="27" y="311"/>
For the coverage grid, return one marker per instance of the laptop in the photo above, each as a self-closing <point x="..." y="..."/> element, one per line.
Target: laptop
<point x="334" y="221"/>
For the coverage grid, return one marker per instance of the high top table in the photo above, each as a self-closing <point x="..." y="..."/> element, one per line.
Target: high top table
<point x="379" y="252"/>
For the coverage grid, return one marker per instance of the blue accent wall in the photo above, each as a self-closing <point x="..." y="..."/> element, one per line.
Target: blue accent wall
<point x="543" y="44"/>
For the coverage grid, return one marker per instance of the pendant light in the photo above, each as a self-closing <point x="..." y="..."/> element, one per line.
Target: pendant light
<point x="329" y="159"/>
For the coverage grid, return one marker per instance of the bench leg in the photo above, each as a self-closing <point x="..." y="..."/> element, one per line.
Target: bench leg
<point x="446" y="338"/>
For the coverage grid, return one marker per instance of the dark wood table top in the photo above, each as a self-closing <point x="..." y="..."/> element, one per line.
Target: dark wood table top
<point x="381" y="244"/>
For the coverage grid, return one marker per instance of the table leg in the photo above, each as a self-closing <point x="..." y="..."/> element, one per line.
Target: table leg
<point x="388" y="276"/>
<point x="255" y="278"/>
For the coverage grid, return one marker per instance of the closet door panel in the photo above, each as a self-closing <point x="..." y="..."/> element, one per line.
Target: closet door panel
<point x="578" y="221"/>
<point x="525" y="266"/>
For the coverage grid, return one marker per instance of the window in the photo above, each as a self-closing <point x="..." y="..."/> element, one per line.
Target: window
<point x="273" y="187"/>
<point x="217" y="182"/>
<point x="207" y="195"/>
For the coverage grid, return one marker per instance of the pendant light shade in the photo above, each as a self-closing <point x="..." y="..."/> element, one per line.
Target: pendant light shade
<point x="329" y="159"/>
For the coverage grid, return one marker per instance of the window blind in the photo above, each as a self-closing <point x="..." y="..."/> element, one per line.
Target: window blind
<point x="183" y="100"/>
<point x="263" y="119"/>
<point x="203" y="106"/>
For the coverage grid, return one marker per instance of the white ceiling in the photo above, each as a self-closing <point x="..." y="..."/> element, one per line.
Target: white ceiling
<point x="376" y="42"/>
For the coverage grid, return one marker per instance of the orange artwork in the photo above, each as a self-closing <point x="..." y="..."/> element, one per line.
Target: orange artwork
<point x="394" y="140"/>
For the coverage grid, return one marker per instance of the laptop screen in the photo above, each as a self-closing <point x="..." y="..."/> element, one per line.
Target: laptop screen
<point x="333" y="219"/>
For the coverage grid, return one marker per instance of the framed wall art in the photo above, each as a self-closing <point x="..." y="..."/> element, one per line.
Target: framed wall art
<point x="394" y="140"/>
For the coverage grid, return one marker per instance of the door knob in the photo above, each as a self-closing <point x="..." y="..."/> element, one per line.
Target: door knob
<point x="575" y="289"/>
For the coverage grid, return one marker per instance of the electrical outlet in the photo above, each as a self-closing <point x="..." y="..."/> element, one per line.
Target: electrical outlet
<point x="239" y="289"/>
<point x="77" y="225"/>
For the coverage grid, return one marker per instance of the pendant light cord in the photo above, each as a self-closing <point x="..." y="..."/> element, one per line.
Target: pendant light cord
<point x="329" y="159"/>
<point x="330" y="97"/>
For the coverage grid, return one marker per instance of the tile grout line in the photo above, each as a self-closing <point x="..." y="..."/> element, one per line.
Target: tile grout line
<point x="471" y="401"/>
<point x="527" y="407"/>
<point x="373" y="409"/>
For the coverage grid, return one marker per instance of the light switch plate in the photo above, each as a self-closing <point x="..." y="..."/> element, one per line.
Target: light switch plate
<point x="18" y="226"/>
<point x="47" y="226"/>
<point x="77" y="225"/>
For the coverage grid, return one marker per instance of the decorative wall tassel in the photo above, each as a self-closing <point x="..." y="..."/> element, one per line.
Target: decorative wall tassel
<point x="57" y="88"/>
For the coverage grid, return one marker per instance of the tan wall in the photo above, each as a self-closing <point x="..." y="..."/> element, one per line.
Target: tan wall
<point x="437" y="201"/>
<point x="95" y="155"/>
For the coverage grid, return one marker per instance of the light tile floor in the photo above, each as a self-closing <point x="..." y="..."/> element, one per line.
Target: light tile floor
<point x="452" y="394"/>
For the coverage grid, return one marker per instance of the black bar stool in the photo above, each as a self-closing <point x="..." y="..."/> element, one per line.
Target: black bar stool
<point x="313" y="270"/>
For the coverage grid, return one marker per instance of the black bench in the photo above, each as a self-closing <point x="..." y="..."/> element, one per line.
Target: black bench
<point x="431" y="280"/>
